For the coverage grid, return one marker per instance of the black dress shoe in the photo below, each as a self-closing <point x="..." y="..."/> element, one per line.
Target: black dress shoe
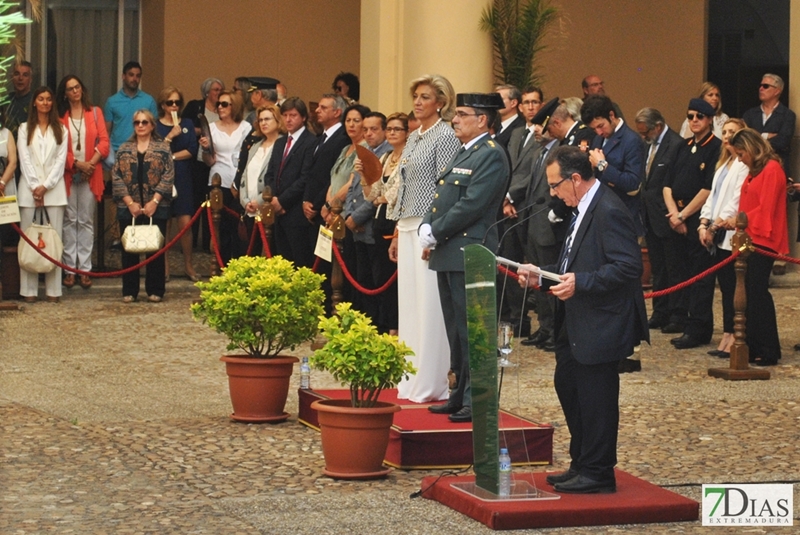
<point x="548" y="345"/>
<point x="672" y="328"/>
<point x="445" y="408"/>
<point x="714" y="352"/>
<point x="657" y="323"/>
<point x="797" y="347"/>
<point x="629" y="365"/>
<point x="584" y="485"/>
<point x="464" y="415"/>
<point x="724" y="354"/>
<point x="563" y="477"/>
<point x="535" y="339"/>
<point x="762" y="361"/>
<point x="686" y="342"/>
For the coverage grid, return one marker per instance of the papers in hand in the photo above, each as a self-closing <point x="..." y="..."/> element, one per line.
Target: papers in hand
<point x="549" y="275"/>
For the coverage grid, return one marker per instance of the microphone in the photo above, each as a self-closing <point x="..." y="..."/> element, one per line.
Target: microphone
<point x="521" y="221"/>
<point x="540" y="200"/>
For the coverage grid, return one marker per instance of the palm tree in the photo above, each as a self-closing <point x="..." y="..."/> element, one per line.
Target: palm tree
<point x="517" y="28"/>
<point x="9" y="18"/>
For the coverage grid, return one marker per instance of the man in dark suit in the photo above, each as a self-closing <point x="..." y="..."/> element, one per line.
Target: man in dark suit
<point x="662" y="148"/>
<point x="286" y="175"/>
<point x="616" y="154"/>
<point x="778" y="127"/>
<point x="468" y="194"/>
<point x="600" y="317"/>
<point x="510" y="117"/>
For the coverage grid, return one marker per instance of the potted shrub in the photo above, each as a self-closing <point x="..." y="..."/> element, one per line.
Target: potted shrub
<point x="355" y="432"/>
<point x="264" y="306"/>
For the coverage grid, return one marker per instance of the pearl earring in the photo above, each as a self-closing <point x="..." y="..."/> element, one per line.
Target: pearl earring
<point x="438" y="110"/>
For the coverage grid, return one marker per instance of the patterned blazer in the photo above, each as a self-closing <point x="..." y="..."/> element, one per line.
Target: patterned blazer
<point x="159" y="174"/>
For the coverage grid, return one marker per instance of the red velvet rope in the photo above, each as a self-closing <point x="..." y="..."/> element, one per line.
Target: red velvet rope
<point x="264" y="242"/>
<point x="231" y="211"/>
<point x="316" y="264"/>
<point x="252" y="241"/>
<point x="355" y="284"/>
<point x="684" y="284"/>
<point x="213" y="234"/>
<point x="109" y="274"/>
<point x="776" y="256"/>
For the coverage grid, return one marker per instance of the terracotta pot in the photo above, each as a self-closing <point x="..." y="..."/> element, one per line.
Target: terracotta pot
<point x="354" y="440"/>
<point x="259" y="387"/>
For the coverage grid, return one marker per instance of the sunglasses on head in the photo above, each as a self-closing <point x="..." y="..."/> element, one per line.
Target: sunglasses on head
<point x="223" y="104"/>
<point x="141" y="123"/>
<point x="173" y="102"/>
<point x="700" y="116"/>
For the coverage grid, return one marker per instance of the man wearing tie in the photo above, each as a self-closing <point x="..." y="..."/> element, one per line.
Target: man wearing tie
<point x="600" y="317"/>
<point x="468" y="194"/>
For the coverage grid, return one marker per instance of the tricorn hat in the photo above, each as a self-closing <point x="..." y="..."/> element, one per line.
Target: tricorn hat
<point x="491" y="101"/>
<point x="262" y="82"/>
<point x="545" y="112"/>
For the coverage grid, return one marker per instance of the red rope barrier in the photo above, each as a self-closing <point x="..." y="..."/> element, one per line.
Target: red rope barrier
<point x="231" y="211"/>
<point x="109" y="274"/>
<point x="264" y="242"/>
<point x="776" y="256"/>
<point x="355" y="284"/>
<point x="213" y="234"/>
<point x="316" y="264"/>
<point x="684" y="284"/>
<point x="507" y="272"/>
<point x="252" y="241"/>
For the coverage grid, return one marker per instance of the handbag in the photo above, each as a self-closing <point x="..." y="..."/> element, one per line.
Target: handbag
<point x="46" y="239"/>
<point x="142" y="239"/>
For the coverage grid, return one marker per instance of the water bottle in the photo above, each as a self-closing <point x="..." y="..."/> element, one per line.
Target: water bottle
<point x="504" y="486"/>
<point x="305" y="374"/>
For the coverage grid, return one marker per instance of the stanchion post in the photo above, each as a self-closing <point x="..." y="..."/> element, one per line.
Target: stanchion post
<point x="739" y="369"/>
<point x="215" y="199"/>
<point x="267" y="216"/>
<point x="337" y="277"/>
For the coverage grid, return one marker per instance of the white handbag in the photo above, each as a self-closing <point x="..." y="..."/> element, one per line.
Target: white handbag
<point x="142" y="239"/>
<point x="46" y="238"/>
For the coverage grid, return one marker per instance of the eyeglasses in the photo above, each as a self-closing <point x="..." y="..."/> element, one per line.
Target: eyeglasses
<point x="766" y="86"/>
<point x="173" y="102"/>
<point x="141" y="123"/>
<point x="265" y="119"/>
<point x="74" y="88"/>
<point x="395" y="129"/>
<point x="223" y="104"/>
<point x="555" y="186"/>
<point x="700" y="116"/>
<point x="461" y="114"/>
<point x="531" y="102"/>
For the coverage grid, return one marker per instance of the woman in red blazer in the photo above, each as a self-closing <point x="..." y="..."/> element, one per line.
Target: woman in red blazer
<point x="88" y="146"/>
<point x="763" y="199"/>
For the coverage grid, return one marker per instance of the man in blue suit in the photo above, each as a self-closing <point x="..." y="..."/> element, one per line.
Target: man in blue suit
<point x="468" y="194"/>
<point x="616" y="154"/>
<point x="600" y="316"/>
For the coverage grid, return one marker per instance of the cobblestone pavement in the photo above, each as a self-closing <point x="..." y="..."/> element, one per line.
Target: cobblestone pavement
<point x="114" y="419"/>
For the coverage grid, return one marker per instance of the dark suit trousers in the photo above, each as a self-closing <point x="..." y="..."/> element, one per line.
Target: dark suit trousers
<point x="700" y="323"/>
<point x="656" y="249"/>
<point x="762" y="326"/>
<point x="512" y="298"/>
<point x="155" y="276"/>
<point x="453" y="296"/>
<point x="293" y="243"/>
<point x="727" y="287"/>
<point x="544" y="255"/>
<point x="589" y="397"/>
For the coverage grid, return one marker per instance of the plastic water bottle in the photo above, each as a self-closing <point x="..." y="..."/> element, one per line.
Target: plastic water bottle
<point x="305" y="374"/>
<point x="504" y="486"/>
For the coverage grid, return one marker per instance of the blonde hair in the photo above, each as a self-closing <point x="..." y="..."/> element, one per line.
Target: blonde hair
<point x="724" y="155"/>
<point x="705" y="89"/>
<point x="276" y="114"/>
<point x="751" y="142"/>
<point x="445" y="94"/>
<point x="149" y="116"/>
<point x="164" y="96"/>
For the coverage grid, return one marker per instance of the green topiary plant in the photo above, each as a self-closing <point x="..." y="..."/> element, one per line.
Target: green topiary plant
<point x="357" y="355"/>
<point x="263" y="305"/>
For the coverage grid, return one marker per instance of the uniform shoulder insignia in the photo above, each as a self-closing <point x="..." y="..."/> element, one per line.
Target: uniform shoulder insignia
<point x="491" y="143"/>
<point x="582" y="126"/>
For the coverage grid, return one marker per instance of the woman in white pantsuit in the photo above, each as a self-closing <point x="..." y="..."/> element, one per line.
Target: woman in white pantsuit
<point x="42" y="146"/>
<point x="420" y="323"/>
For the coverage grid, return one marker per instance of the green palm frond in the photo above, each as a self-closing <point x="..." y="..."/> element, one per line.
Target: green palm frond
<point x="8" y="19"/>
<point x="517" y="28"/>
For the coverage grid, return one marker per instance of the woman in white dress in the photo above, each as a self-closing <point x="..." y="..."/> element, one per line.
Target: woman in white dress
<point x="228" y="133"/>
<point x="42" y="145"/>
<point x="420" y="322"/>
<point x="723" y="203"/>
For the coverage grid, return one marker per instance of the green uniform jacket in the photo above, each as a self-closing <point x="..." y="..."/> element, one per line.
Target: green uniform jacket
<point x="468" y="194"/>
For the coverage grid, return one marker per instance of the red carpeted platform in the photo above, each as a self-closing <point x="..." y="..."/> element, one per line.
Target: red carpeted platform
<point x="420" y="439"/>
<point x="635" y="502"/>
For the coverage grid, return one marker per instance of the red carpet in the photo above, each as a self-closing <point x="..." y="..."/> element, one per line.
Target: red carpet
<point x="420" y="439"/>
<point x="635" y="502"/>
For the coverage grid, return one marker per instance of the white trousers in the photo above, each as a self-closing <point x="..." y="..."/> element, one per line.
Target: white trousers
<point x="420" y="320"/>
<point x="29" y="282"/>
<point x="78" y="235"/>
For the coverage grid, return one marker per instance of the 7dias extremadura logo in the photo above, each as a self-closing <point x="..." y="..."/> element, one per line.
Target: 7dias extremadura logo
<point x="748" y="505"/>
